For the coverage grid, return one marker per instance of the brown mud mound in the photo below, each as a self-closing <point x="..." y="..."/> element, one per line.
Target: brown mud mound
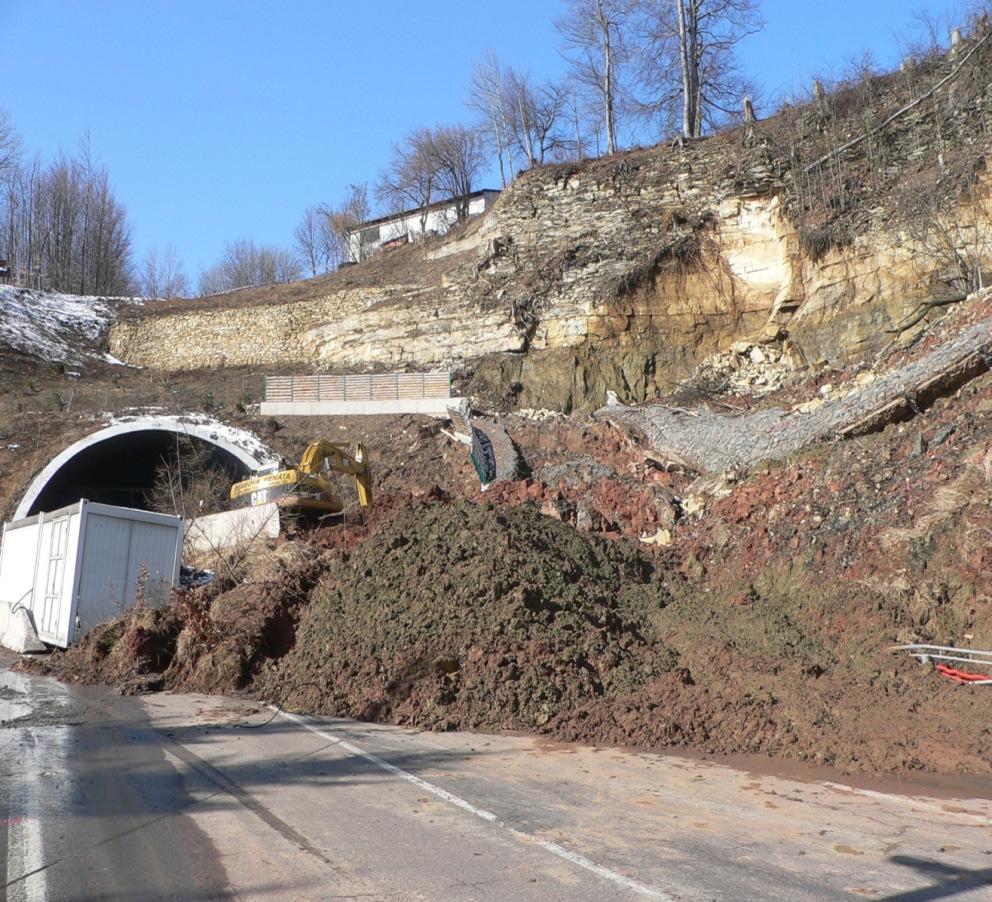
<point x="211" y="639"/>
<point x="228" y="639"/>
<point x="791" y="666"/>
<point x="465" y="616"/>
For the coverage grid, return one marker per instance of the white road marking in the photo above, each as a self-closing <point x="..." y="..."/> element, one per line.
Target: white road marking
<point x="481" y="813"/>
<point x="25" y="850"/>
<point x="39" y="753"/>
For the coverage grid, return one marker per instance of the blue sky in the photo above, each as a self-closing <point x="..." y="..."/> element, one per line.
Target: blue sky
<point x="219" y="119"/>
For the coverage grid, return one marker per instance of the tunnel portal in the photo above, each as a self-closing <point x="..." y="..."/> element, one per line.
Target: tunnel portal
<point x="122" y="470"/>
<point x="118" y="465"/>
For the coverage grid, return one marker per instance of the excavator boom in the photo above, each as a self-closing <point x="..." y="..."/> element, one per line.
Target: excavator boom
<point x="323" y="455"/>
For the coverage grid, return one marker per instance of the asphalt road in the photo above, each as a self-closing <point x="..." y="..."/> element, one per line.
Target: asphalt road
<point x="193" y="797"/>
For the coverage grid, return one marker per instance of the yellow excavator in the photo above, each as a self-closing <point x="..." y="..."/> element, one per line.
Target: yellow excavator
<point x="307" y="488"/>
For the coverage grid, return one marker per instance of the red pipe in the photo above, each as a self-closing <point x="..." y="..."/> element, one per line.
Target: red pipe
<point x="961" y="677"/>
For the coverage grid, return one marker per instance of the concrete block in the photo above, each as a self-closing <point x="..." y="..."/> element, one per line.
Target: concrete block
<point x="17" y="632"/>
<point x="229" y="529"/>
<point x="434" y="407"/>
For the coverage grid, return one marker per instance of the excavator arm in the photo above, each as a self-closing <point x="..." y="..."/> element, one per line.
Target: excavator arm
<point x="321" y="456"/>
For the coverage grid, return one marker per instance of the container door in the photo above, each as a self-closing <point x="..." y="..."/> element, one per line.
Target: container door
<point x="52" y="608"/>
<point x="18" y="557"/>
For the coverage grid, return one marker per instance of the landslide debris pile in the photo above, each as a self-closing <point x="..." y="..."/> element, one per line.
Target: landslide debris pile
<point x="454" y="615"/>
<point x="465" y="616"/>
<point x="711" y="442"/>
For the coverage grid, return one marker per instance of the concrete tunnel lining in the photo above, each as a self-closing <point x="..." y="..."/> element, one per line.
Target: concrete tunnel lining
<point x="240" y="450"/>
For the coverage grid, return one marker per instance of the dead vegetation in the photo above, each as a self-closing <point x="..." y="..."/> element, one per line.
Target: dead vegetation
<point x="903" y="148"/>
<point x="189" y="482"/>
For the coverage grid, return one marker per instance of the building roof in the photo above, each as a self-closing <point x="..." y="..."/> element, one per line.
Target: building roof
<point x="414" y="211"/>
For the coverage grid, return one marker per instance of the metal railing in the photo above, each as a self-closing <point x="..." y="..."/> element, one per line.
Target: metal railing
<point x="358" y="387"/>
<point x="938" y="654"/>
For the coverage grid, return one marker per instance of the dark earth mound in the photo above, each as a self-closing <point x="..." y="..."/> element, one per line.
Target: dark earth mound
<point x="466" y="616"/>
<point x="454" y="615"/>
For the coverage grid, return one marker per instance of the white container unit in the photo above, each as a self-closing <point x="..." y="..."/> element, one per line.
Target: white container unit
<point x="79" y="566"/>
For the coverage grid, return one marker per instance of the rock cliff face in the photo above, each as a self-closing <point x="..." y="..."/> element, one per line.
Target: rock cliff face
<point x="604" y="288"/>
<point x="619" y="274"/>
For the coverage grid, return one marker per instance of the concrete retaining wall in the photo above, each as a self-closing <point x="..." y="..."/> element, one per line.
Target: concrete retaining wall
<point x="434" y="407"/>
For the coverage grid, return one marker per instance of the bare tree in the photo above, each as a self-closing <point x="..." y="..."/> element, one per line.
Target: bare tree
<point x="456" y="152"/>
<point x="310" y="238"/>
<point x="10" y="147"/>
<point x="61" y="227"/>
<point x="21" y="227"/>
<point x="432" y="164"/>
<point x="189" y="481"/>
<point x="487" y="96"/>
<point x="355" y="204"/>
<point x="245" y="264"/>
<point x="927" y="36"/>
<point x="687" y="61"/>
<point x="353" y="210"/>
<point x="162" y="275"/>
<point x="952" y="245"/>
<point x="107" y="268"/>
<point x="537" y="115"/>
<point x="579" y="135"/>
<point x="593" y="34"/>
<point x="82" y="236"/>
<point x="322" y="235"/>
<point x="410" y="180"/>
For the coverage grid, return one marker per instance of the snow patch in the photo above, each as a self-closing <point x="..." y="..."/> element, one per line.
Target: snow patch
<point x="57" y="328"/>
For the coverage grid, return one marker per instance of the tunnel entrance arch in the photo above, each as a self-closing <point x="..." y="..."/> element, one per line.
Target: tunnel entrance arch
<point x="116" y="464"/>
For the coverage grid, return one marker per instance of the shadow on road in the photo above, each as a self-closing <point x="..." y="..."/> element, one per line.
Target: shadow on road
<point x="949" y="881"/>
<point x="97" y="768"/>
<point x="133" y="752"/>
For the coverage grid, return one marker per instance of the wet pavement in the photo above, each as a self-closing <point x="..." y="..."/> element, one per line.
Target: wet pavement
<point x="198" y="797"/>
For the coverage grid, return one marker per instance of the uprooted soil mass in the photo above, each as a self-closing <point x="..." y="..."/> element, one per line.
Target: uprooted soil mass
<point x="604" y="593"/>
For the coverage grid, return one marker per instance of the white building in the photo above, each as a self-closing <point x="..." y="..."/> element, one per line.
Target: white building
<point x="367" y="237"/>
